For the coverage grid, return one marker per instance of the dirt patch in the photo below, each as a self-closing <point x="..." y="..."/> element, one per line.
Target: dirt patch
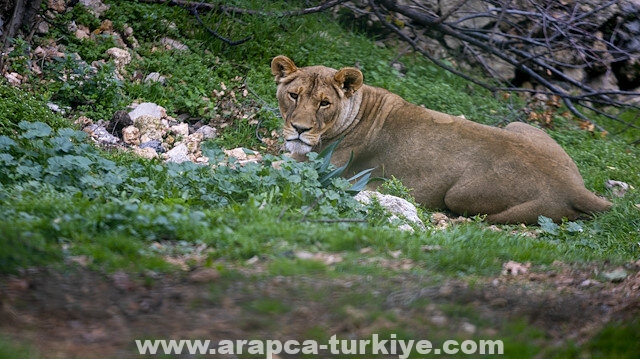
<point x="79" y="313"/>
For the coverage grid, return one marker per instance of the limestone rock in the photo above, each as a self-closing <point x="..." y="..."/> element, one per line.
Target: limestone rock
<point x="151" y="128"/>
<point x="173" y="44"/>
<point x="181" y="129"/>
<point x="101" y="135"/>
<point x="155" y="77"/>
<point x="146" y="152"/>
<point x="97" y="7"/>
<point x="58" y="6"/>
<point x="121" y="57"/>
<point x="193" y="143"/>
<point x="149" y="109"/>
<point x="243" y="156"/>
<point x="178" y="154"/>
<point x="131" y="136"/>
<point x="207" y="132"/>
<point x="398" y="207"/>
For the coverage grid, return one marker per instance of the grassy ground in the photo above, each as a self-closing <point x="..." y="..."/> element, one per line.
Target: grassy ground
<point x="75" y="219"/>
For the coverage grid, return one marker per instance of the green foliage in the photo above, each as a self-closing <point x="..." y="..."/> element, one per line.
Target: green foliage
<point x="566" y="230"/>
<point x="93" y="91"/>
<point x="88" y="50"/>
<point x="328" y="174"/>
<point x="289" y="267"/>
<point x="17" y="105"/>
<point x="548" y="225"/>
<point x="82" y="16"/>
<point x="617" y="339"/>
<point x="9" y="349"/>
<point x="395" y="187"/>
<point x="73" y="193"/>
<point x="60" y="196"/>
<point x="150" y="22"/>
<point x="18" y="59"/>
<point x="20" y="245"/>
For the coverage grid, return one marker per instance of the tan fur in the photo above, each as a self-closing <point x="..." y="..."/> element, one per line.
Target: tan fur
<point x="512" y="175"/>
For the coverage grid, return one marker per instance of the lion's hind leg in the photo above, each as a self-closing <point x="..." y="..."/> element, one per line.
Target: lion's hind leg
<point x="528" y="212"/>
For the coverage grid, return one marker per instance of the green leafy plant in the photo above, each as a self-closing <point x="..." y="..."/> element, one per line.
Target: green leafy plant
<point x="94" y="91"/>
<point x="328" y="173"/>
<point x="548" y="226"/>
<point x="81" y="194"/>
<point x="18" y="59"/>
<point x="395" y="187"/>
<point x="18" y="106"/>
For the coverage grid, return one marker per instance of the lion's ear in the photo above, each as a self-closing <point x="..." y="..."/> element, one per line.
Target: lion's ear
<point x="349" y="79"/>
<point x="282" y="66"/>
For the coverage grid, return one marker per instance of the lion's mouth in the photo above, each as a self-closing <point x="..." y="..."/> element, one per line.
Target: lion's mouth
<point x="298" y="146"/>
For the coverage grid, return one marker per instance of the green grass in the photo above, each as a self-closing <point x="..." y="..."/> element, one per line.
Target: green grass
<point x="61" y="197"/>
<point x="258" y="210"/>
<point x="10" y="350"/>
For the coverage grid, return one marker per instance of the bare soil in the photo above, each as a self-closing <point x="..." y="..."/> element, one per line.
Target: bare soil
<point x="79" y="313"/>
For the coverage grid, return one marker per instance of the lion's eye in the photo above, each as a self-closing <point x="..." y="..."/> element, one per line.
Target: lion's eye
<point x="324" y="103"/>
<point x="293" y="95"/>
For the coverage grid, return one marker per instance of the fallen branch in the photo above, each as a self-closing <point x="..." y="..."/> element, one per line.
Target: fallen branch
<point x="523" y="51"/>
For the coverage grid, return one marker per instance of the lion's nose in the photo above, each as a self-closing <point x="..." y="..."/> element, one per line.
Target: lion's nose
<point x="301" y="129"/>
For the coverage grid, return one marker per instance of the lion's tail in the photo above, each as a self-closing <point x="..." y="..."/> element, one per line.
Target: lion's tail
<point x="588" y="203"/>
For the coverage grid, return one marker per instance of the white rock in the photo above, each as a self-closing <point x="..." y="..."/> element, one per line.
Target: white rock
<point x="397" y="206"/>
<point x="100" y="134"/>
<point x="121" y="57"/>
<point x="618" y="188"/>
<point x="181" y="129"/>
<point x="237" y="153"/>
<point x="173" y="44"/>
<point x="207" y="132"/>
<point x="95" y="6"/>
<point x="146" y="152"/>
<point x="53" y="107"/>
<point x="193" y="143"/>
<point x="14" y="78"/>
<point x="131" y="135"/>
<point x="82" y="32"/>
<point x="149" y="109"/>
<point x="151" y="128"/>
<point x="178" y="154"/>
<point x="154" y="77"/>
<point x="58" y="6"/>
<point x="42" y="28"/>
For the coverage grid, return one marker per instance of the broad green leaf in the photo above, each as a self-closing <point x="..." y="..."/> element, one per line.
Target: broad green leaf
<point x="7" y="160"/>
<point x="62" y="144"/>
<point x="573" y="227"/>
<point x="362" y="182"/>
<point x="6" y="143"/>
<point x="547" y="225"/>
<point x="34" y="129"/>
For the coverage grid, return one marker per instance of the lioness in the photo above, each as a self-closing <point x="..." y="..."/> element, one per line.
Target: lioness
<point x="511" y="175"/>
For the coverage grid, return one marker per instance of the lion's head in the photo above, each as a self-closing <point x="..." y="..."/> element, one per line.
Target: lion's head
<point x="315" y="101"/>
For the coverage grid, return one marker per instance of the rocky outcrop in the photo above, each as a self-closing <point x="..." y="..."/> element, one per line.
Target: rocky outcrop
<point x="148" y="131"/>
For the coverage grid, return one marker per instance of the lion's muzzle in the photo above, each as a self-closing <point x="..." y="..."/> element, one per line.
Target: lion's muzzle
<point x="297" y="146"/>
